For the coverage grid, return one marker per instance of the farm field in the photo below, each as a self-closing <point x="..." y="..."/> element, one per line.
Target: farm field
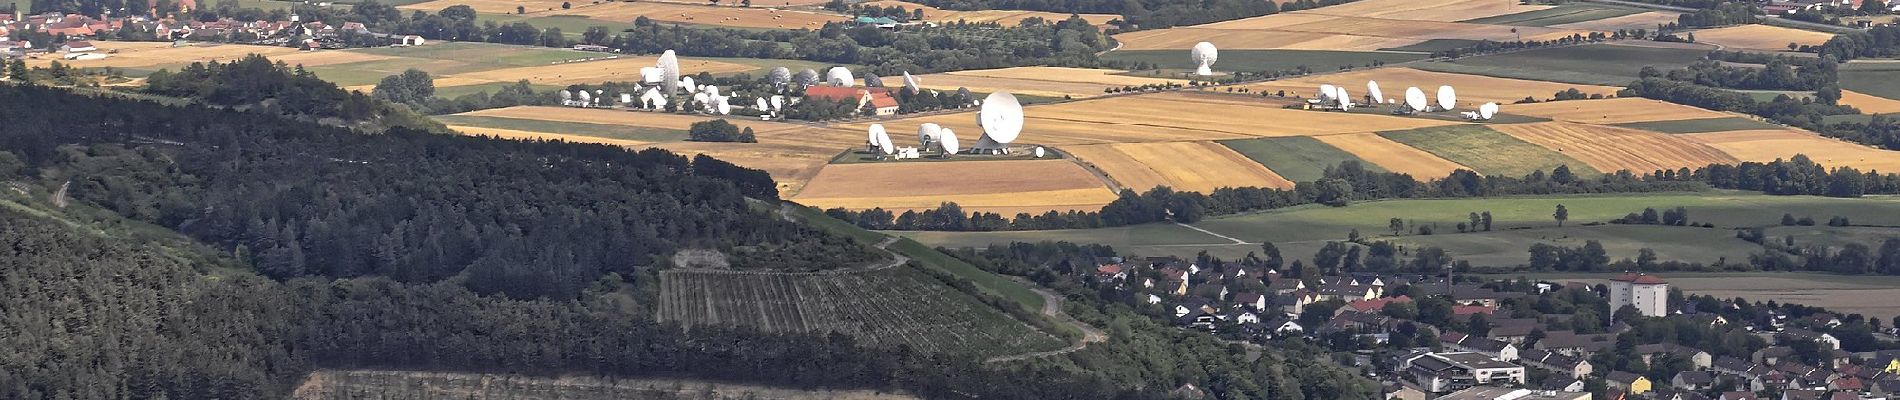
<point x="1472" y="89"/>
<point x="1392" y="156"/>
<point x="151" y="56"/>
<point x="1001" y="17"/>
<point x="635" y="134"/>
<point x="1646" y="20"/>
<point x="1615" y="111"/>
<point x="604" y="116"/>
<point x="363" y="76"/>
<point x="1769" y="145"/>
<point x="1876" y="78"/>
<point x="1485" y="150"/>
<point x="1440" y="11"/>
<point x="1760" y="37"/>
<point x="1039" y="81"/>
<point x="1165" y="117"/>
<point x="1296" y="158"/>
<point x="1598" y="64"/>
<point x="1562" y="14"/>
<point x="1004" y="187"/>
<point x="884" y="308"/>
<point x="1864" y="294"/>
<point x="1314" y="31"/>
<point x="1607" y="148"/>
<point x="1185" y="166"/>
<point x="1263" y="60"/>
<point x="1701" y="125"/>
<point x="615" y="13"/>
<point x="1869" y="104"/>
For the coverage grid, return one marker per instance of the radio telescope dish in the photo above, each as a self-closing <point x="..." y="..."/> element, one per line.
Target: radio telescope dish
<point x="1001" y="117"/>
<point x="1040" y="152"/>
<point x="711" y="90"/>
<point x="584" y="97"/>
<point x="778" y="102"/>
<point x="871" y="135"/>
<point x="781" y="76"/>
<point x="1415" y="99"/>
<point x="884" y="143"/>
<point x="567" y="95"/>
<point x="910" y="82"/>
<point x="1372" y="89"/>
<point x="949" y="142"/>
<point x="670" y="71"/>
<point x="1447" y="98"/>
<point x="725" y="107"/>
<point x="872" y="80"/>
<point x="762" y="106"/>
<point x="1203" y="56"/>
<point x="1325" y="91"/>
<point x="700" y="98"/>
<point x="1488" y="110"/>
<point x="687" y="83"/>
<point x="929" y="132"/>
<point x="839" y="76"/>
<point x="806" y="77"/>
<point x="1345" y="100"/>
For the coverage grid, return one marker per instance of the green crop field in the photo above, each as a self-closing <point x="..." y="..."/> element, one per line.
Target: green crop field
<point x="886" y="307"/>
<point x="1488" y="151"/>
<point x="1563" y="14"/>
<point x="622" y="132"/>
<point x="451" y="92"/>
<point x="1595" y="64"/>
<point x="484" y="53"/>
<point x="1702" y="125"/>
<point x="1435" y="45"/>
<point x="1870" y="295"/>
<point x="1263" y="60"/>
<point x="1873" y="78"/>
<point x="1296" y="158"/>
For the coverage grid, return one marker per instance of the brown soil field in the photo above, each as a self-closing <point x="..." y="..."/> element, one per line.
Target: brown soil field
<point x="1647" y="20"/>
<point x="528" y="135"/>
<point x="1393" y="156"/>
<point x="1760" y="37"/>
<point x="1038" y="81"/>
<point x="1768" y="145"/>
<point x="1187" y="166"/>
<point x="1169" y="117"/>
<point x="1005" y="17"/>
<point x="1020" y="185"/>
<point x="1609" y="148"/>
<point x="1472" y="89"/>
<point x="1869" y="104"/>
<point x="625" y="12"/>
<point x="158" y="54"/>
<point x="1613" y="111"/>
<point x="1441" y="11"/>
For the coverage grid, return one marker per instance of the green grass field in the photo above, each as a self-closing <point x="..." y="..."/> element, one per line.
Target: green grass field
<point x="451" y="92"/>
<point x="1873" y="78"/>
<point x="1489" y="152"/>
<point x="1702" y="125"/>
<point x="569" y="128"/>
<point x="1594" y="64"/>
<point x="484" y="53"/>
<point x="1296" y="158"/>
<point x="1435" y="45"/>
<point x="1563" y="14"/>
<point x="1264" y="60"/>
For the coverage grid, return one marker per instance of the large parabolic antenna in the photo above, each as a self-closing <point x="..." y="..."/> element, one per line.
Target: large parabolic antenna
<point x="884" y="143"/>
<point x="870" y="137"/>
<point x="1447" y="98"/>
<point x="1203" y="56"/>
<point x="1001" y="119"/>
<point x="839" y="76"/>
<point x="781" y="76"/>
<point x="1345" y="99"/>
<point x="949" y="142"/>
<point x="670" y="72"/>
<point x="929" y="132"/>
<point x="910" y="83"/>
<point x="806" y="77"/>
<point x="1415" y="99"/>
<point x="1488" y="110"/>
<point x="1325" y="91"/>
<point x="1372" y="89"/>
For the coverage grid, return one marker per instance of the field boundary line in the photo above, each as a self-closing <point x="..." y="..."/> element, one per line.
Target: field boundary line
<point x="1236" y="241"/>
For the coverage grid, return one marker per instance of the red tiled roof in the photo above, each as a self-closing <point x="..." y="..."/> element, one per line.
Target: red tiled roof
<point x="1374" y="305"/>
<point x="1468" y="310"/>
<point x="1645" y="279"/>
<point x="1109" y="269"/>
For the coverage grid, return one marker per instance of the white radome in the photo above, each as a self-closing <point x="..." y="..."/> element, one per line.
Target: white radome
<point x="1447" y="98"/>
<point x="929" y="132"/>
<point x="839" y="76"/>
<point x="725" y="108"/>
<point x="1488" y="110"/>
<point x="949" y="142"/>
<point x="1372" y="90"/>
<point x="1040" y="152"/>
<point x="1415" y="99"/>
<point x="670" y="71"/>
<point x="762" y="106"/>
<point x="1203" y="56"/>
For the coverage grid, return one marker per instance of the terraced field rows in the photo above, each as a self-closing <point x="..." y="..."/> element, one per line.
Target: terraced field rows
<point x="885" y="308"/>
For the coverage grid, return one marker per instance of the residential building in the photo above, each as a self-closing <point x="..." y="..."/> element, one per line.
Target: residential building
<point x="1449" y="372"/>
<point x="1648" y="293"/>
<point x="1632" y="383"/>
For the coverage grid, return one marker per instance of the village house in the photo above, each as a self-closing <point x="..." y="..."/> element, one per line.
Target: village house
<point x="1574" y="367"/>
<point x="1628" y="382"/>
<point x="1693" y="380"/>
<point x="1450" y="372"/>
<point x="1496" y="349"/>
<point x="1701" y="359"/>
<point x="1791" y="334"/>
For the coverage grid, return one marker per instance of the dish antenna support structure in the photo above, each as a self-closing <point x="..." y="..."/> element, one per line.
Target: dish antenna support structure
<point x="1203" y="55"/>
<point x="1002" y="120"/>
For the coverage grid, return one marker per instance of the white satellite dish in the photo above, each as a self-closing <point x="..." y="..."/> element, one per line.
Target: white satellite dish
<point x="567" y="95"/>
<point x="1488" y="110"/>
<point x="1040" y="152"/>
<point x="778" y="102"/>
<point x="910" y="83"/>
<point x="929" y="132"/>
<point x="762" y="106"/>
<point x="781" y="76"/>
<point x="1325" y="91"/>
<point x="949" y="142"/>
<point x="1203" y="56"/>
<point x="1345" y="100"/>
<point x="1372" y="90"/>
<point x="870" y="137"/>
<point x="670" y="71"/>
<point x="884" y="143"/>
<point x="712" y="90"/>
<point x="1415" y="99"/>
<point x="725" y="108"/>
<point x="839" y="76"/>
<point x="1447" y="98"/>
<point x="700" y="98"/>
<point x="687" y="83"/>
<point x="584" y="97"/>
<point x="1001" y="118"/>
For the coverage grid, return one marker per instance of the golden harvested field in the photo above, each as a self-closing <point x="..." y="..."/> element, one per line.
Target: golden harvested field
<point x="1170" y="117"/>
<point x="1647" y="20"/>
<point x="1393" y="156"/>
<point x="160" y="54"/>
<point x="1609" y="148"/>
<point x="1038" y="81"/>
<point x="1869" y="104"/>
<point x="625" y="12"/>
<point x="1441" y="11"/>
<point x="1760" y="37"/>
<point x="1613" y="111"/>
<point x="1472" y="89"/>
<point x="1360" y="25"/>
<point x="1187" y="166"/>
<point x="1234" y="39"/>
<point x="629" y="118"/>
<point x="619" y="69"/>
<point x="1001" y="17"/>
<point x="1770" y="144"/>
<point x="1011" y="186"/>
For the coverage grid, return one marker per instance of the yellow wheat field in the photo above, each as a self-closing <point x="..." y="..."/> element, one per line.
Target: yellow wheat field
<point x="1010" y="186"/>
<point x="1234" y="39"/>
<point x="1869" y="104"/>
<point x="1038" y="81"/>
<point x="1646" y="20"/>
<point x="1770" y="144"/>
<point x="1441" y="11"/>
<point x="1760" y="37"/>
<point x="1391" y="155"/>
<point x="1472" y="89"/>
<point x="1613" y="111"/>
<point x="1609" y="148"/>
<point x="625" y="12"/>
<point x="162" y="54"/>
<point x="619" y="69"/>
<point x="1168" y="117"/>
<point x="1361" y="25"/>
<point x="627" y="118"/>
<point x="1186" y="166"/>
<point x="1001" y="17"/>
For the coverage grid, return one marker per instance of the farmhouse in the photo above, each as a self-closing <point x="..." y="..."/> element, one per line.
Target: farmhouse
<point x="878" y="99"/>
<point x="77" y="46"/>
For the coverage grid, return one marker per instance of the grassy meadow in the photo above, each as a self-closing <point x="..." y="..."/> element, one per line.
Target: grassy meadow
<point x="1595" y="64"/>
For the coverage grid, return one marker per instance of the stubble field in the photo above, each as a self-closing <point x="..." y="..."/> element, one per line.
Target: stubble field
<point x="1472" y="89"/>
<point x="1004" y="187"/>
<point x="1186" y="166"/>
<point x="1608" y="148"/>
<point x="1760" y="37"/>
